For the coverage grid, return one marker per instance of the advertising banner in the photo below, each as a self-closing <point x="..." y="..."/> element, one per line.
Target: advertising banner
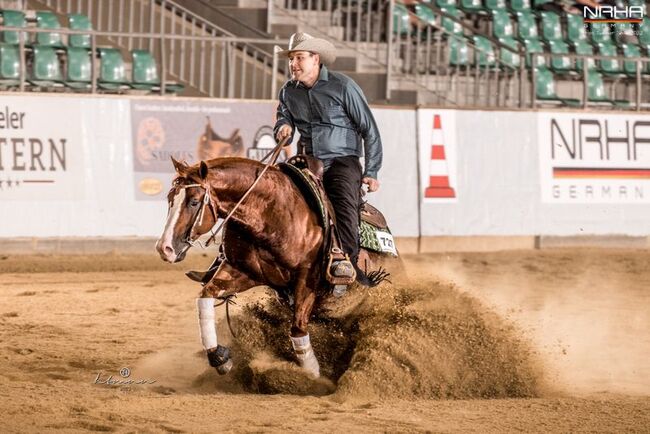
<point x="192" y="131"/>
<point x="594" y="158"/>
<point x="41" y="154"/>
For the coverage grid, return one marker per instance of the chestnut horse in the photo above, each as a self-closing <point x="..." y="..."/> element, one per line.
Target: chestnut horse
<point x="273" y="238"/>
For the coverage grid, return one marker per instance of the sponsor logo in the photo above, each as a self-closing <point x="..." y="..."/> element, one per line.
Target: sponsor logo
<point x="613" y="14"/>
<point x="150" y="186"/>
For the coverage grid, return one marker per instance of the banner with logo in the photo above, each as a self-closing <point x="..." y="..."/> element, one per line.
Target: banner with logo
<point x="41" y="154"/>
<point x="594" y="158"/>
<point x="193" y="131"/>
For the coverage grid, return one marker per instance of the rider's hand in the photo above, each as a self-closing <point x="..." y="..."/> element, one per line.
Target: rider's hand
<point x="283" y="132"/>
<point x="373" y="184"/>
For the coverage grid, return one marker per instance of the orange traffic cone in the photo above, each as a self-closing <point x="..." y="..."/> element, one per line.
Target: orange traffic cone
<point x="438" y="170"/>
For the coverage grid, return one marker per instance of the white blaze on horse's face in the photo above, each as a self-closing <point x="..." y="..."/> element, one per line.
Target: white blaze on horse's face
<point x="167" y="247"/>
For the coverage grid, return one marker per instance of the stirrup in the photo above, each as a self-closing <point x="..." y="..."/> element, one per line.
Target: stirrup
<point x="340" y="270"/>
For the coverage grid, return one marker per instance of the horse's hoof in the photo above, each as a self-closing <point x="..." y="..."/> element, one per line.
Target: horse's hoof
<point x="219" y="358"/>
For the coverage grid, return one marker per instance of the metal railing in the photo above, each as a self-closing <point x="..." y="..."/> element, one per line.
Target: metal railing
<point x="195" y="50"/>
<point x="227" y="72"/>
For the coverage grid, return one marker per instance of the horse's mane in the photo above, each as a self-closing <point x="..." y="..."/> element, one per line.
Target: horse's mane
<point x="192" y="175"/>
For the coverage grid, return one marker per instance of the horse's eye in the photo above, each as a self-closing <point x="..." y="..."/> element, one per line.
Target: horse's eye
<point x="194" y="203"/>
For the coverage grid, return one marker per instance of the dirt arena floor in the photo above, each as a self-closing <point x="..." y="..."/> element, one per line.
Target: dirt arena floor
<point x="520" y="341"/>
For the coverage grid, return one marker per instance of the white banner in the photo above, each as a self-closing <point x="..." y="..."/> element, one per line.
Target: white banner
<point x="41" y="152"/>
<point x="593" y="158"/>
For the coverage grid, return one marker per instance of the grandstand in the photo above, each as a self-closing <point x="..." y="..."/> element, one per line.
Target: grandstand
<point x="465" y="53"/>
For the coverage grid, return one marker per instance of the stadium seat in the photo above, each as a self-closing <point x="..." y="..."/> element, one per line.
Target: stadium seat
<point x="629" y="67"/>
<point x="534" y="48"/>
<point x="46" y="69"/>
<point x="12" y="18"/>
<point x="401" y="22"/>
<point x="446" y="3"/>
<point x="501" y="25"/>
<point x="495" y="5"/>
<point x="551" y="27"/>
<point x="449" y="25"/>
<point x="644" y="34"/>
<point x="576" y="33"/>
<point x="584" y="48"/>
<point x="145" y="73"/>
<point x="609" y="66"/>
<point x="79" y="72"/>
<point x="112" y="75"/>
<point x="9" y="65"/>
<point x="596" y="91"/>
<point x="458" y="51"/>
<point x="48" y="20"/>
<point x="624" y="34"/>
<point x="79" y="22"/>
<point x="545" y="88"/>
<point x="472" y="6"/>
<point x="526" y="26"/>
<point x="483" y="52"/>
<point x="425" y="14"/>
<point x="507" y="57"/>
<point x="559" y="63"/>
<point x="520" y="5"/>
<point x="601" y="33"/>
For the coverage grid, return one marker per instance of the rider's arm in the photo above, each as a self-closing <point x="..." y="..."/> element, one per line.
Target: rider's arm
<point x="360" y="114"/>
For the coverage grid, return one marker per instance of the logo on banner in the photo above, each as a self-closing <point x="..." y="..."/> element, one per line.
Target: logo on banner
<point x="263" y="143"/>
<point x="28" y="156"/>
<point x="439" y="186"/>
<point x="212" y="145"/>
<point x="596" y="159"/>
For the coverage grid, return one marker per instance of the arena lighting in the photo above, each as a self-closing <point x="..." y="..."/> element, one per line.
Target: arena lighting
<point x="613" y="14"/>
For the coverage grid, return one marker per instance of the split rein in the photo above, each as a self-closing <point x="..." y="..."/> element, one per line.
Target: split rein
<point x="209" y="202"/>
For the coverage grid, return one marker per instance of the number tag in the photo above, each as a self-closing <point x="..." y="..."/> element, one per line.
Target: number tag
<point x="386" y="242"/>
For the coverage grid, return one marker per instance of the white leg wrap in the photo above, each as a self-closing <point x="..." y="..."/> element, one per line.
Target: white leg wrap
<point x="207" y="327"/>
<point x="305" y="355"/>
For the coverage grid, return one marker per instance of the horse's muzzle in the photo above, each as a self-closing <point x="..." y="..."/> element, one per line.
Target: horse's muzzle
<point x="168" y="253"/>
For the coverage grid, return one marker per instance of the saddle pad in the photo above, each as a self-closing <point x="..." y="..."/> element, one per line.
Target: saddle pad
<point x="377" y="239"/>
<point x="308" y="189"/>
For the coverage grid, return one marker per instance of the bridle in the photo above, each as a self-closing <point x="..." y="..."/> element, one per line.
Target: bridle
<point x="192" y="239"/>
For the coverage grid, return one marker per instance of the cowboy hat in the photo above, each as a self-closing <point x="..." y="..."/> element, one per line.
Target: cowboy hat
<point x="304" y="42"/>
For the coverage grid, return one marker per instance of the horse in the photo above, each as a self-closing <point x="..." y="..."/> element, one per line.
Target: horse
<point x="273" y="238"/>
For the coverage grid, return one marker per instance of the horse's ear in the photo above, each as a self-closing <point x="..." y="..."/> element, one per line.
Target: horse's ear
<point x="203" y="170"/>
<point x="180" y="167"/>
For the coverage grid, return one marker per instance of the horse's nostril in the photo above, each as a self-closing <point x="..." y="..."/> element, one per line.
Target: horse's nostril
<point x="169" y="250"/>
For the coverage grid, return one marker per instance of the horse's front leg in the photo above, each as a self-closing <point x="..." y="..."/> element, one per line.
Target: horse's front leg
<point x="304" y="303"/>
<point x="226" y="281"/>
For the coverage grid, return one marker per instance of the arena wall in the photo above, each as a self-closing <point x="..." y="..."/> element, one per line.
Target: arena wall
<point x="98" y="169"/>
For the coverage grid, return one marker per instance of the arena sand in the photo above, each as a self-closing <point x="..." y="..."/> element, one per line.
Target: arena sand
<point x="535" y="341"/>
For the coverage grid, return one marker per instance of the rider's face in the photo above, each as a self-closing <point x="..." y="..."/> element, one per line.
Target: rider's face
<point x="304" y="65"/>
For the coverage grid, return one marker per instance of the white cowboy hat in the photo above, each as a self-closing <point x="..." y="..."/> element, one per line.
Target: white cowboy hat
<point x="305" y="42"/>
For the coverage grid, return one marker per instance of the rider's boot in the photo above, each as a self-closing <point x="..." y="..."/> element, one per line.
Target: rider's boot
<point x="204" y="277"/>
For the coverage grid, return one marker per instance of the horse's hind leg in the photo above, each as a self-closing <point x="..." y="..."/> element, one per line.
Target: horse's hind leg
<point x="227" y="281"/>
<point x="304" y="303"/>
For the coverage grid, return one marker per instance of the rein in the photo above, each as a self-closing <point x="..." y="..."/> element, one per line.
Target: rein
<point x="208" y="201"/>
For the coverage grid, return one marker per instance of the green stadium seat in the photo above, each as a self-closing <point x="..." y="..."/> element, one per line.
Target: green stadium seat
<point x="446" y="3"/>
<point x="9" y="65"/>
<point x="425" y="14"/>
<point x="483" y="52"/>
<point x="526" y="26"/>
<point x="472" y="6"/>
<point x="551" y="27"/>
<point x="596" y="91"/>
<point x="644" y="33"/>
<point x="112" y="75"/>
<point x="576" y="32"/>
<point x="48" y="20"/>
<point x="609" y="66"/>
<point x="79" y="72"/>
<point x="401" y="22"/>
<point x="449" y="25"/>
<point x="601" y="33"/>
<point x="509" y="58"/>
<point x="636" y="2"/>
<point x="458" y="51"/>
<point x="46" y="69"/>
<point x="79" y="22"/>
<point x="520" y="5"/>
<point x="12" y="18"/>
<point x="559" y="63"/>
<point x="586" y="49"/>
<point x="624" y="34"/>
<point x="629" y="67"/>
<point x="495" y="5"/>
<point x="501" y="25"/>
<point x="145" y="73"/>
<point x="534" y="47"/>
<point x="545" y="88"/>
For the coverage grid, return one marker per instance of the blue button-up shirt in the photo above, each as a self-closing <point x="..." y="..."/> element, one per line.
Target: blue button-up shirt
<point x="333" y="118"/>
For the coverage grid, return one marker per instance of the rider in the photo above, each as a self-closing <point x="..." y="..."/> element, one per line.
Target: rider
<point x="332" y="116"/>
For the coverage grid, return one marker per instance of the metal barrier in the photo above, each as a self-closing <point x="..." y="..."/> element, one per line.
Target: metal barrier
<point x="226" y="71"/>
<point x="196" y="52"/>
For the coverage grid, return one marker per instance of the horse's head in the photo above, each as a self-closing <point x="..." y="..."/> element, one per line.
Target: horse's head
<point x="192" y="211"/>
